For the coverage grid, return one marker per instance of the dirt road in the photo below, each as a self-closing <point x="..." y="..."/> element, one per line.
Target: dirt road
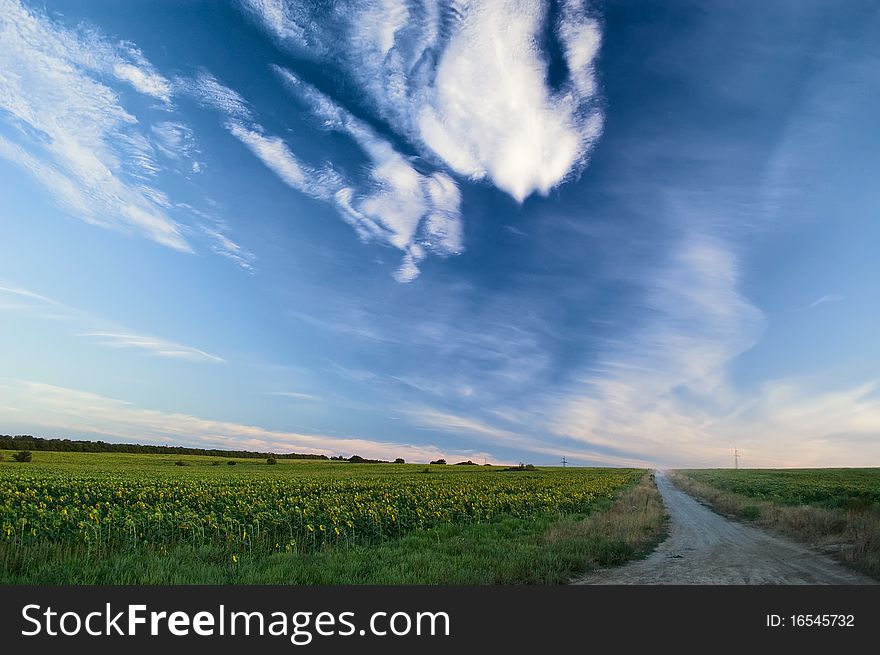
<point x="706" y="548"/>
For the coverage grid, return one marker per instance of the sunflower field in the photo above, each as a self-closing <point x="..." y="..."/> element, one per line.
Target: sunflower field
<point x="106" y="500"/>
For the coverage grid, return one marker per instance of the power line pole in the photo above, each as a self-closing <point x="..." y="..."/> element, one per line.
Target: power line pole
<point x="735" y="458"/>
<point x="564" y="461"/>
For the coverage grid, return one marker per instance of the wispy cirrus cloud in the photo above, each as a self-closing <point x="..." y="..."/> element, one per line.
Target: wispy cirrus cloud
<point x="22" y="301"/>
<point x="657" y="387"/>
<point x="825" y="299"/>
<point x="75" y="411"/>
<point x="278" y="157"/>
<point x="73" y="134"/>
<point x="141" y="75"/>
<point x="414" y="212"/>
<point x="223" y="245"/>
<point x="176" y="141"/>
<point x="219" y="237"/>
<point x="397" y="205"/>
<point x="294" y="395"/>
<point x="210" y="92"/>
<point x="152" y="345"/>
<point x="465" y="83"/>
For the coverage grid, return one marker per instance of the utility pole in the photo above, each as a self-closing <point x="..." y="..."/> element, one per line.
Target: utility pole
<point x="564" y="461"/>
<point x="735" y="458"/>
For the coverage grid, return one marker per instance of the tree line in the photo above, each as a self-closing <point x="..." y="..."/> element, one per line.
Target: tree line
<point x="28" y="442"/>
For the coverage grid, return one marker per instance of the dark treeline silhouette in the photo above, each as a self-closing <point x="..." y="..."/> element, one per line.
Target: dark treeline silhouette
<point x="357" y="459"/>
<point x="27" y="442"/>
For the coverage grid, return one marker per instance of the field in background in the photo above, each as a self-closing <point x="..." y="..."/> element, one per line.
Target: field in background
<point x="834" y="510"/>
<point x="111" y="518"/>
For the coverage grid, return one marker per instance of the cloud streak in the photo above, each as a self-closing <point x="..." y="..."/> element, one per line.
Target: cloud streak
<point x="825" y="299"/>
<point x="96" y="329"/>
<point x="295" y="395"/>
<point x="152" y="345"/>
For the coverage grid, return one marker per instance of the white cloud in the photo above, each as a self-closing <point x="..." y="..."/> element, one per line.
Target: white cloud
<point x="153" y="345"/>
<point x="144" y="79"/>
<point x="73" y="411"/>
<point x="222" y="245"/>
<point x="173" y="139"/>
<point x="212" y="93"/>
<point x="408" y="270"/>
<point x="275" y="154"/>
<point x="825" y="299"/>
<point x="81" y="143"/>
<point x="217" y="230"/>
<point x="295" y="395"/>
<point x="32" y="299"/>
<point x="100" y="330"/>
<point x="490" y="112"/>
<point x="282" y="19"/>
<point x="581" y="37"/>
<point x="466" y="83"/>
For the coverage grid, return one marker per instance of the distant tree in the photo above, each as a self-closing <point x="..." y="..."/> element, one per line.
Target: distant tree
<point x="400" y="460"/>
<point x="23" y="456"/>
<point x="521" y="467"/>
<point x="439" y="461"/>
<point x="271" y="460"/>
<point x="467" y="463"/>
<point x="356" y="459"/>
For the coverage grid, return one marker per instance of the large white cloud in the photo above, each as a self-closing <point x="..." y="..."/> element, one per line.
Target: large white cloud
<point x="466" y="83"/>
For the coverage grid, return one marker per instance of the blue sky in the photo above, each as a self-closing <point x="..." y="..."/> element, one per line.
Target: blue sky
<point x="503" y="230"/>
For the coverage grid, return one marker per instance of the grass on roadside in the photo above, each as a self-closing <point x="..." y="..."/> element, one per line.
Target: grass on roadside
<point x="851" y="534"/>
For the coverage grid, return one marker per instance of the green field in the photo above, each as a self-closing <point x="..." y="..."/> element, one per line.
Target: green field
<point x="831" y="488"/>
<point x="110" y="518"/>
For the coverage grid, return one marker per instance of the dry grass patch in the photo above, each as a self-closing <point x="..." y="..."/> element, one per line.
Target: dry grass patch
<point x="633" y="525"/>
